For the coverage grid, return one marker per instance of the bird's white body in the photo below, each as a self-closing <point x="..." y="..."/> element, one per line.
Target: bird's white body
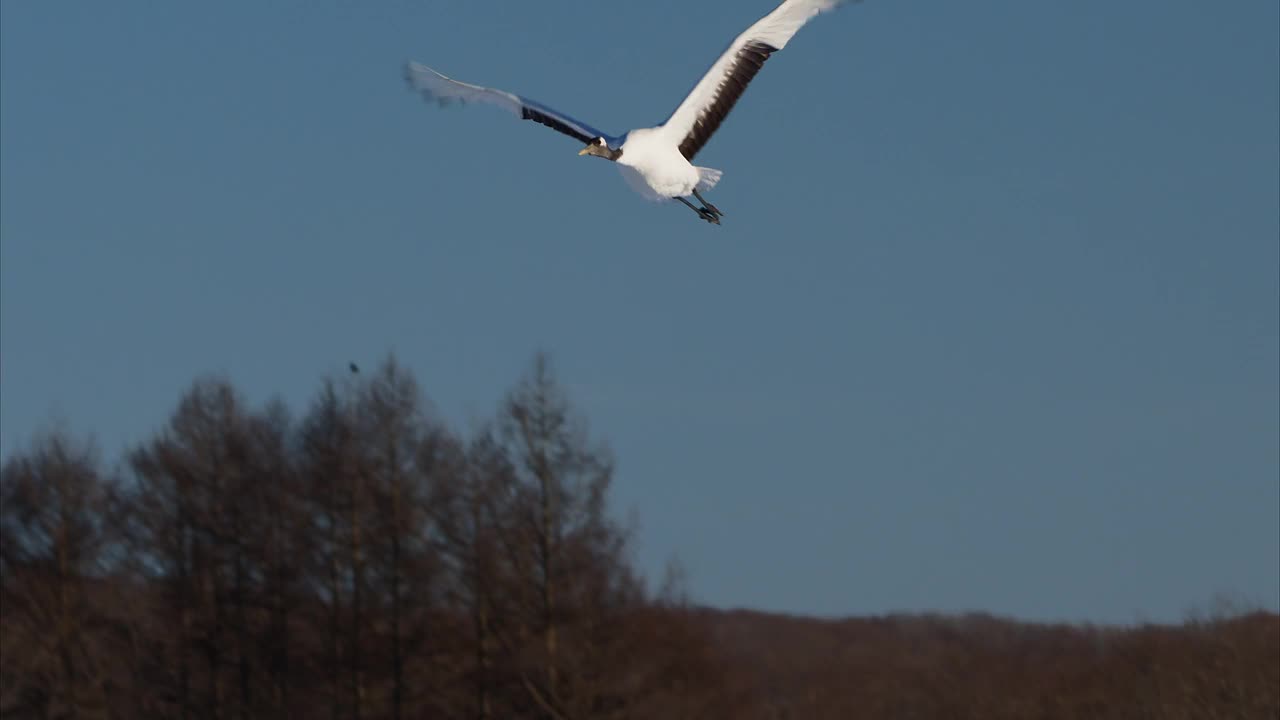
<point x="653" y="166"/>
<point x="655" y="161"/>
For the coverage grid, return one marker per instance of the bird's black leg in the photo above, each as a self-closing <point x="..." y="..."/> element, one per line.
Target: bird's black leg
<point x="703" y="200"/>
<point x="703" y="213"/>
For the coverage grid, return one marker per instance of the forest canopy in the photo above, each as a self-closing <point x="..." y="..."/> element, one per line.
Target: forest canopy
<point x="363" y="559"/>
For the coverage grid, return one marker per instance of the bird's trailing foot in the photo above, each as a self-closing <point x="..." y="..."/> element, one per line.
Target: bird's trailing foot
<point x="706" y="204"/>
<point x="704" y="213"/>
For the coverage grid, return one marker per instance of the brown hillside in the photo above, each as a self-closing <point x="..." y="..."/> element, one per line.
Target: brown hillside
<point x="978" y="666"/>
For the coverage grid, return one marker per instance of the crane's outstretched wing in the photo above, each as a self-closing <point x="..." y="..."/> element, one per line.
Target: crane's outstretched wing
<point x="693" y="123"/>
<point x="438" y="88"/>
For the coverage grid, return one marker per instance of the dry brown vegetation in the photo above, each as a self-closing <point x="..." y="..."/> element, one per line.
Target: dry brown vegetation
<point x="364" y="560"/>
<point x="977" y="666"/>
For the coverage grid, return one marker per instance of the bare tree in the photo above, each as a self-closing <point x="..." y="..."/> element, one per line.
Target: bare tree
<point x="468" y="502"/>
<point x="279" y="543"/>
<point x="199" y="524"/>
<point x="328" y="466"/>
<point x="52" y="544"/>
<point x="401" y="449"/>
<point x="577" y="574"/>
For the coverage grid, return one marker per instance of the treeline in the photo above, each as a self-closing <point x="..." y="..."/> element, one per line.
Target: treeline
<point x="363" y="560"/>
<point x="1224" y="667"/>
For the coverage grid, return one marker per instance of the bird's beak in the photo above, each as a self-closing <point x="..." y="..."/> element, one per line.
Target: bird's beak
<point x="584" y="150"/>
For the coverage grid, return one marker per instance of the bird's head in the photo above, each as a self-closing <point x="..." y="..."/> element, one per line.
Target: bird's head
<point x="600" y="148"/>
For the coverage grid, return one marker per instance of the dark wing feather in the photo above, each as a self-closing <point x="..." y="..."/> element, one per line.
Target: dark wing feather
<point x="746" y="63"/>
<point x="709" y="102"/>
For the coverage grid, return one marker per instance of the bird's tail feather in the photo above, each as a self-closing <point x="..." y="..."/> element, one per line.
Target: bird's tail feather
<point x="707" y="177"/>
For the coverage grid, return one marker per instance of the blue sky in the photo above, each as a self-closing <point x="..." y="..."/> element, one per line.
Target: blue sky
<point x="991" y="324"/>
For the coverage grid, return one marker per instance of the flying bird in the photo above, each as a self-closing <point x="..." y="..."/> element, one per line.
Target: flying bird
<point x="655" y="161"/>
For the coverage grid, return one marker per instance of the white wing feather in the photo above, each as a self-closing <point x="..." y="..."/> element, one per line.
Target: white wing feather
<point x="442" y="90"/>
<point x="773" y="30"/>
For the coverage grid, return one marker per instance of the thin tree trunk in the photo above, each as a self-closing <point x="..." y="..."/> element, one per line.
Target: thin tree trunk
<point x="548" y="581"/>
<point x="184" y="614"/>
<point x="279" y="656"/>
<point x="357" y="585"/>
<point x="213" y="654"/>
<point x="282" y="650"/>
<point x="242" y="631"/>
<point x="397" y="659"/>
<point x="482" y="656"/>
<point x="335" y="617"/>
<point x="279" y="623"/>
<point x="64" y="623"/>
<point x="212" y="661"/>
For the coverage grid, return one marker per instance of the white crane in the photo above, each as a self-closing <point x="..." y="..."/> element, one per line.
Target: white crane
<point x="655" y="161"/>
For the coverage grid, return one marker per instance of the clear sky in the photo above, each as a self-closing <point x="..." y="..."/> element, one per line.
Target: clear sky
<point x="991" y="323"/>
